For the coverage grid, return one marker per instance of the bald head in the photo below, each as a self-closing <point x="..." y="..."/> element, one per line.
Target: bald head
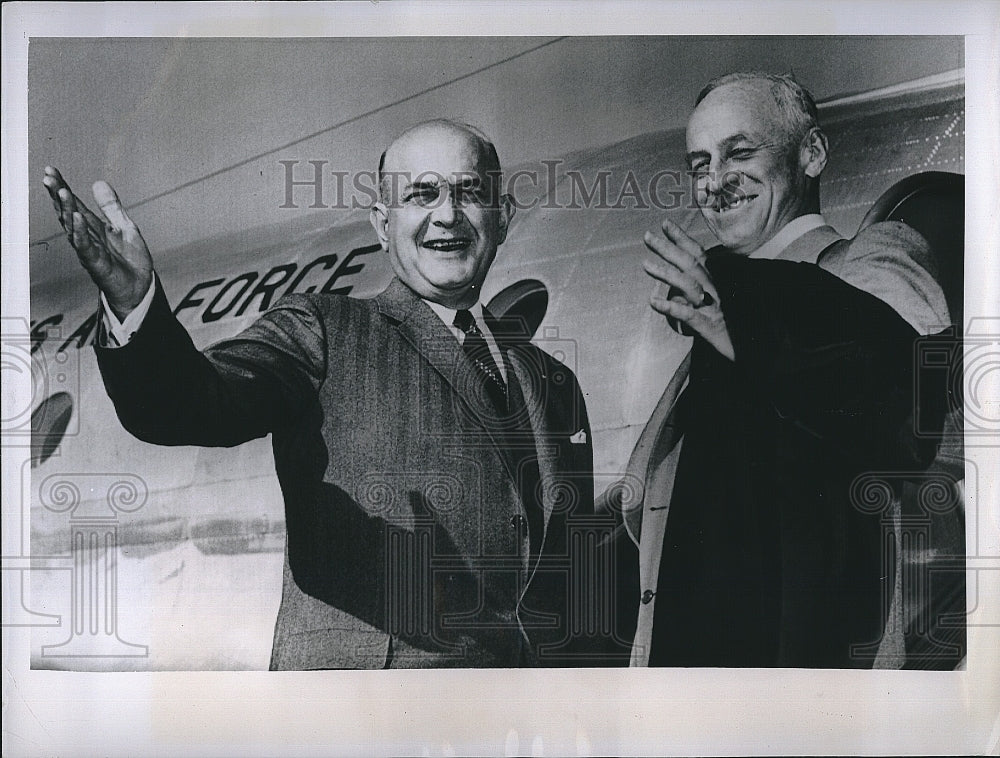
<point x="440" y="214"/>
<point x="460" y="138"/>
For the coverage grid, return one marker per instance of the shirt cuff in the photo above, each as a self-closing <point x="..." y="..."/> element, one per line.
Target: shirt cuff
<point x="115" y="333"/>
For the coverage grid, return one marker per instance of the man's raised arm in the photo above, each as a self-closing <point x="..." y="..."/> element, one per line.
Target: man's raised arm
<point x="164" y="390"/>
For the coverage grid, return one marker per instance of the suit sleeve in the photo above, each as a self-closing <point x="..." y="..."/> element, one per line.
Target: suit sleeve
<point x="167" y="392"/>
<point x="894" y="263"/>
<point x="827" y="358"/>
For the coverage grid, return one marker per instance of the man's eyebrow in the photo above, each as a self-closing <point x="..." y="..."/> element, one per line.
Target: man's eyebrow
<point x="423" y="184"/>
<point x="726" y="144"/>
<point x="464" y="181"/>
<point x="467" y="180"/>
<point x="690" y="157"/>
<point x="735" y="139"/>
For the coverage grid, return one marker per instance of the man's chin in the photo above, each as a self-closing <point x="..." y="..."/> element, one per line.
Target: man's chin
<point x="451" y="291"/>
<point x="735" y="236"/>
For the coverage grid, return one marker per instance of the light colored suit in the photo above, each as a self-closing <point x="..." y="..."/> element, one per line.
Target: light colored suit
<point x="888" y="260"/>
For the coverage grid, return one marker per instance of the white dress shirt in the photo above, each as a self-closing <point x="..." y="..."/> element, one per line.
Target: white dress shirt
<point x="117" y="333"/>
<point x="788" y="234"/>
<point x="447" y="315"/>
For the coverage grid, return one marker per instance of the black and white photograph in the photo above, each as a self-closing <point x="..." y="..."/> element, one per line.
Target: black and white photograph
<point x="584" y="371"/>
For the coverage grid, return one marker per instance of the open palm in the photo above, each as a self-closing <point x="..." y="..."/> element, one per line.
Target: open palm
<point x="110" y="248"/>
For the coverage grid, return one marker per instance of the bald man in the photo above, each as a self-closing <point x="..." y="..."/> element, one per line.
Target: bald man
<point x="426" y="451"/>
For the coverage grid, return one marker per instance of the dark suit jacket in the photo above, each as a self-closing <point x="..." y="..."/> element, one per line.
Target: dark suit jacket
<point x="823" y="385"/>
<point x="408" y="541"/>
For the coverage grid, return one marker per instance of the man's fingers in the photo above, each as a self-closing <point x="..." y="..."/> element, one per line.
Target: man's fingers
<point x="66" y="208"/>
<point x="686" y="258"/>
<point x="675" y="278"/>
<point x="94" y="222"/>
<point x="117" y="263"/>
<point x="708" y="322"/>
<point x="680" y="312"/>
<point x="693" y="285"/>
<point x="66" y="203"/>
<point x="84" y="230"/>
<point x="52" y="171"/>
<point x="80" y="239"/>
<point x="676" y="308"/>
<point x="53" y="182"/>
<point x="92" y="255"/>
<point x="681" y="238"/>
<point x="665" y="249"/>
<point x="52" y="187"/>
<point x="110" y="205"/>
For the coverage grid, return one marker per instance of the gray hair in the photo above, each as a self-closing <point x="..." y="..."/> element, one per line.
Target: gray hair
<point x="795" y="104"/>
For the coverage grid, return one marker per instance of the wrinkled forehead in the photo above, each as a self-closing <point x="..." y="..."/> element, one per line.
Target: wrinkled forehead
<point x="437" y="152"/>
<point x="746" y="108"/>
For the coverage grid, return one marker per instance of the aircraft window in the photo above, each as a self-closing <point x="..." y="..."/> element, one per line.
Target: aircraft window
<point x="48" y="425"/>
<point x="527" y="300"/>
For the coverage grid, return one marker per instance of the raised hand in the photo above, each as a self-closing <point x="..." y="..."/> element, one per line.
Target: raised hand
<point x="111" y="249"/>
<point x="691" y="298"/>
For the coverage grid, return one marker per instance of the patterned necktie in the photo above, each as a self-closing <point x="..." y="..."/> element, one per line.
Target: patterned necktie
<point x="477" y="350"/>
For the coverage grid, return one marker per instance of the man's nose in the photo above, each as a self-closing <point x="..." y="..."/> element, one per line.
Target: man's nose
<point x="446" y="211"/>
<point x="722" y="179"/>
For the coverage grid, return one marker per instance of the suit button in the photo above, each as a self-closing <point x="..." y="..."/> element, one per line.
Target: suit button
<point x="517" y="522"/>
<point x="647" y="596"/>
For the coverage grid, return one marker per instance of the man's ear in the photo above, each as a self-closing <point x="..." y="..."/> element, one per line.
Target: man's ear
<point x="379" y="218"/>
<point x="506" y="209"/>
<point x="814" y="153"/>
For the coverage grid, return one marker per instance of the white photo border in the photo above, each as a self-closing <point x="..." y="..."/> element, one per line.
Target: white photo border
<point x="543" y="712"/>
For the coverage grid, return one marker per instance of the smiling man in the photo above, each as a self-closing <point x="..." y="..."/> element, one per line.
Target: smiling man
<point x="425" y="450"/>
<point x="744" y="157"/>
<point x="441" y="215"/>
<point x="752" y="550"/>
<point x="756" y="152"/>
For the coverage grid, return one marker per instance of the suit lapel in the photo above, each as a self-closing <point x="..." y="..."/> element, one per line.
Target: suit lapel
<point x="525" y="395"/>
<point x="657" y="441"/>
<point x="807" y="247"/>
<point x="524" y="398"/>
<point x="435" y="342"/>
<point x="512" y="338"/>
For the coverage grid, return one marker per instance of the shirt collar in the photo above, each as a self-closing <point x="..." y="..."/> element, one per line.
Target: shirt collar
<point x="788" y="234"/>
<point x="447" y="315"/>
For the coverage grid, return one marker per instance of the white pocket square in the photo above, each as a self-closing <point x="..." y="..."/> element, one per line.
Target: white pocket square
<point x="580" y="438"/>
